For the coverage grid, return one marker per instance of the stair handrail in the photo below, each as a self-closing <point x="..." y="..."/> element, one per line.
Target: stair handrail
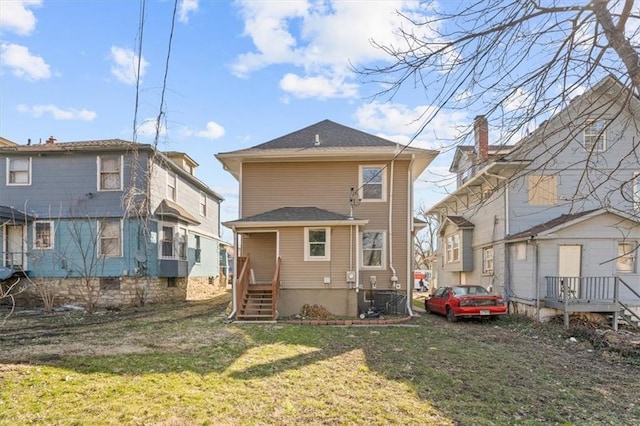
<point x="628" y="287"/>
<point x="275" y="288"/>
<point x="242" y="282"/>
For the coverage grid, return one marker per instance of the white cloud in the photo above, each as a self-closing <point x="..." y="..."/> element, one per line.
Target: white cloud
<point x="325" y="39"/>
<point x="16" y="16"/>
<point x="317" y="87"/>
<point x="58" y="113"/>
<point x="125" y="65"/>
<point x="23" y="63"/>
<point x="400" y="123"/>
<point x="186" y="7"/>
<point x="213" y="131"/>
<point x="519" y="99"/>
<point x="148" y="128"/>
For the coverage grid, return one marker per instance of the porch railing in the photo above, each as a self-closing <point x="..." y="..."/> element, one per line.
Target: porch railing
<point x="242" y="281"/>
<point x="590" y="294"/>
<point x="581" y="289"/>
<point x="275" y="288"/>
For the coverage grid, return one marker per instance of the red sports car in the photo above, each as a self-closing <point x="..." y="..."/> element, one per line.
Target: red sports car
<point x="465" y="301"/>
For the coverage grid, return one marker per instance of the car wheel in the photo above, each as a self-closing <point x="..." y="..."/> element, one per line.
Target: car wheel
<point x="450" y="315"/>
<point x="426" y="307"/>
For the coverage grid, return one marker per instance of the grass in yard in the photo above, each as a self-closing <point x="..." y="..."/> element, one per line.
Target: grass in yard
<point x="181" y="364"/>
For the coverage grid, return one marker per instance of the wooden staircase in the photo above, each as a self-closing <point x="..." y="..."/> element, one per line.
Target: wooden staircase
<point x="630" y="318"/>
<point x="257" y="304"/>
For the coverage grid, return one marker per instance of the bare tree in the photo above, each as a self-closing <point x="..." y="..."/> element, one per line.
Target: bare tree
<point x="518" y="62"/>
<point x="426" y="240"/>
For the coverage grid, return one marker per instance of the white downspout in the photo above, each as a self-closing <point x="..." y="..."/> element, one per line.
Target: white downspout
<point x="394" y="276"/>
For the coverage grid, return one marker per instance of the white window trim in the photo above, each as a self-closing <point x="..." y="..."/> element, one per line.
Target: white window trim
<point x="203" y="197"/>
<point x="604" y="137"/>
<point x="99" y="181"/>
<point x="120" y="237"/>
<point x="485" y="260"/>
<point x="361" y="183"/>
<point x="51" y="236"/>
<point x="161" y="226"/>
<point x="197" y="246"/>
<point x="383" y="256"/>
<point x="183" y="232"/>
<point x="450" y="258"/>
<point x="327" y="251"/>
<point x="633" y="254"/>
<point x="175" y="185"/>
<point x="9" y="171"/>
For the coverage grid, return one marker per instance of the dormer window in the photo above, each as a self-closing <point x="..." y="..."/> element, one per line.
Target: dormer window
<point x="595" y="133"/>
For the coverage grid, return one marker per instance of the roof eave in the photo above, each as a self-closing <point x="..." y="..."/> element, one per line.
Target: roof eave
<point x="235" y="224"/>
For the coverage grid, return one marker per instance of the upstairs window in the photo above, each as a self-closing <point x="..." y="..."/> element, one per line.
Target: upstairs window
<point x="626" y="260"/>
<point x="18" y="171"/>
<point x="43" y="235"/>
<point x="372" y="250"/>
<point x="109" y="238"/>
<point x="373" y="183"/>
<point x="203" y="204"/>
<point x="542" y="190"/>
<point x="595" y="139"/>
<point x="487" y="261"/>
<point x="110" y="173"/>
<point x="172" y="192"/>
<point x="317" y="244"/>
<point x="452" y="246"/>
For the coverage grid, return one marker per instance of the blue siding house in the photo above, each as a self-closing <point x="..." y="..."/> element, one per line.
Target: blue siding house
<point x="107" y="223"/>
<point x="552" y="222"/>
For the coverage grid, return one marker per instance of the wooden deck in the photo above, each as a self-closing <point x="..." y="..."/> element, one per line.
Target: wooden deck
<point x="592" y="294"/>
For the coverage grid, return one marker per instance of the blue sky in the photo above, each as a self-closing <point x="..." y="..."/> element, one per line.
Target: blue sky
<point x="240" y="73"/>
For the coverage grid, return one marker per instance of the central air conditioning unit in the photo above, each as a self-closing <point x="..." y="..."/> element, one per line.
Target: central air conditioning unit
<point x="351" y="276"/>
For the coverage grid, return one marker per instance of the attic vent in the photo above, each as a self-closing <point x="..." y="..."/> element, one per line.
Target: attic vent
<point x="317" y="142"/>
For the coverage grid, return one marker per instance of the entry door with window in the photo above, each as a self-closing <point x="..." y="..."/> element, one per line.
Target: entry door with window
<point x="14" y="257"/>
<point x="570" y="266"/>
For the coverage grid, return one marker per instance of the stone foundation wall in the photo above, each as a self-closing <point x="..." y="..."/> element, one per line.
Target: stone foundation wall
<point x="121" y="291"/>
<point x="202" y="288"/>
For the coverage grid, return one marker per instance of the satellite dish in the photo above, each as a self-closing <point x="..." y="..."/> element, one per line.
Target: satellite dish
<point x="140" y="257"/>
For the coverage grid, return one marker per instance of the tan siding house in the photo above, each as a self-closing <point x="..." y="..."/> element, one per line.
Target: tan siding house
<point x="325" y="219"/>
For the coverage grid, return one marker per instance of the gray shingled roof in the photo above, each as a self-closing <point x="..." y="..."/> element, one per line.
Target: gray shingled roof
<point x="460" y="222"/>
<point x="171" y="210"/>
<point x="560" y="220"/>
<point x="330" y="134"/>
<point x="9" y="214"/>
<point x="296" y="214"/>
<point x="77" y="146"/>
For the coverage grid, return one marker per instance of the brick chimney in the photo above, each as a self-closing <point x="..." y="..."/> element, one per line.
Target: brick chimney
<point x="481" y="132"/>
<point x="51" y="140"/>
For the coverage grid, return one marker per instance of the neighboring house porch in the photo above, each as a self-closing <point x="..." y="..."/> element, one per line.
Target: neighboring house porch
<point x="580" y="262"/>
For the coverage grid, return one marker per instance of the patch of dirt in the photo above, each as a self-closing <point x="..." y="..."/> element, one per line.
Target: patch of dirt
<point x="33" y="336"/>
